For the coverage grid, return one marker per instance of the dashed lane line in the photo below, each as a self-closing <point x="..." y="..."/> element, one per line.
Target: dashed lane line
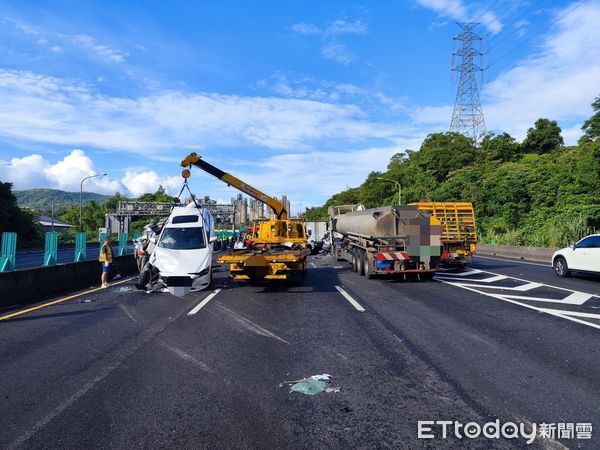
<point x="60" y="300"/>
<point x="203" y="303"/>
<point x="350" y="299"/>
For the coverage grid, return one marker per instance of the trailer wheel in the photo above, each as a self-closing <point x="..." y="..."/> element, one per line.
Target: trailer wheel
<point x="368" y="267"/>
<point x="360" y="262"/>
<point x="355" y="260"/>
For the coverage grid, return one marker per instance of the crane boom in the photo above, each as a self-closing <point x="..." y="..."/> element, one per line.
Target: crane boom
<point x="194" y="160"/>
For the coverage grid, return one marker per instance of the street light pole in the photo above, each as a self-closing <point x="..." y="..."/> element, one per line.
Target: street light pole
<point x="81" y="198"/>
<point x="399" y="188"/>
<point x="53" y="204"/>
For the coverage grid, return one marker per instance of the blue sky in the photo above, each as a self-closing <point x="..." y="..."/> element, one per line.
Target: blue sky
<point x="303" y="98"/>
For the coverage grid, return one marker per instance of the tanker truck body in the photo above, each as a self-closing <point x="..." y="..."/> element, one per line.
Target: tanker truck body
<point x="390" y="240"/>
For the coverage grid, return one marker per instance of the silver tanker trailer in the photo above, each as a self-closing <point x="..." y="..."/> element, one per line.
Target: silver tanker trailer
<point x="390" y="240"/>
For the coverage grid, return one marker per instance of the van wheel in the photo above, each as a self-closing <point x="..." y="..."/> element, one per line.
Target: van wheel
<point x="560" y="267"/>
<point x="368" y="267"/>
<point x="360" y="262"/>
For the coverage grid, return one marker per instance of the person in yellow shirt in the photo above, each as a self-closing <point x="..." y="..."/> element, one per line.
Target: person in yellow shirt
<point x="106" y="258"/>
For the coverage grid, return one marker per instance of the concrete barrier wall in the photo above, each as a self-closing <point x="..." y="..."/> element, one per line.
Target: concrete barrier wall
<point x="37" y="284"/>
<point x="539" y="254"/>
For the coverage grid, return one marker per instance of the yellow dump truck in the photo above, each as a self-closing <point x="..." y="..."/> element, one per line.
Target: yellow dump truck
<point x="459" y="231"/>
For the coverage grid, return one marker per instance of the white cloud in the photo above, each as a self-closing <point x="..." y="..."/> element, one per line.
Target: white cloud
<point x="553" y="83"/>
<point x="138" y="183"/>
<point x="341" y="27"/>
<point x="294" y="85"/>
<point x="50" y="110"/>
<point x="34" y="171"/>
<point x="338" y="27"/>
<point x="521" y="27"/>
<point x="23" y="26"/>
<point x="333" y="48"/>
<point x="458" y="10"/>
<point x="559" y="83"/>
<point x="316" y="175"/>
<point x="337" y="51"/>
<point x="102" y="50"/>
<point x="305" y="28"/>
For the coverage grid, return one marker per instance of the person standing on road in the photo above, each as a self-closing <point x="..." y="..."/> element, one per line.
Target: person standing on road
<point x="106" y="258"/>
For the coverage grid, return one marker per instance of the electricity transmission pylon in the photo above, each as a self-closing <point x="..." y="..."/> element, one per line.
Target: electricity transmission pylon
<point x="467" y="117"/>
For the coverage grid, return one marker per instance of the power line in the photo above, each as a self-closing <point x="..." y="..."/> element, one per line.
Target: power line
<point x="513" y="33"/>
<point x="572" y="8"/>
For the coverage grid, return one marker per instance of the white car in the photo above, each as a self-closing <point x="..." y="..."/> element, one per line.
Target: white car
<point x="584" y="256"/>
<point x="183" y="256"/>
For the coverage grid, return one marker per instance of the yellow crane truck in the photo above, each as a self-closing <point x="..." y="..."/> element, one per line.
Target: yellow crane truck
<point x="278" y="249"/>
<point x="459" y="231"/>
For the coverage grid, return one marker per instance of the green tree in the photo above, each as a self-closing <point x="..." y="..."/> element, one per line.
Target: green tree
<point x="502" y="147"/>
<point x="442" y="153"/>
<point x="112" y="202"/>
<point x="591" y="127"/>
<point x="544" y="137"/>
<point x="14" y="219"/>
<point x="159" y="196"/>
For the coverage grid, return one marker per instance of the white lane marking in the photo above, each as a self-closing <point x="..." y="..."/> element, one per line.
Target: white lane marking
<point x="551" y="312"/>
<point x="577" y="298"/>
<point x="350" y="299"/>
<point x="564" y="301"/>
<point x="492" y="279"/>
<point x="255" y="328"/>
<point x="484" y="280"/>
<point x="515" y="260"/>
<point x="203" y="303"/>
<point x="572" y="313"/>
<point x="524" y="287"/>
<point x="122" y="306"/>
<point x="461" y="274"/>
<point x="525" y="281"/>
<point x="185" y="355"/>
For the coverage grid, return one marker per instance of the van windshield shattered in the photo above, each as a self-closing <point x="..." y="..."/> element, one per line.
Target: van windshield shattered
<point x="183" y="238"/>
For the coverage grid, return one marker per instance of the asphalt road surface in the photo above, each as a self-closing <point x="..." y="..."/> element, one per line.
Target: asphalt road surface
<point x="119" y="368"/>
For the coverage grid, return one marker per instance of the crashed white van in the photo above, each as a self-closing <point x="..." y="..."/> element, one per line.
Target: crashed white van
<point x="184" y="251"/>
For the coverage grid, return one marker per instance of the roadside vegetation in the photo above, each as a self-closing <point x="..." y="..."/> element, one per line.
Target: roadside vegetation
<point x="538" y="192"/>
<point x="31" y="234"/>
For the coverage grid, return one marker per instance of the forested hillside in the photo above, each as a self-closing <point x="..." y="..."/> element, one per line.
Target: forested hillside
<point x="41" y="199"/>
<point x="538" y="192"/>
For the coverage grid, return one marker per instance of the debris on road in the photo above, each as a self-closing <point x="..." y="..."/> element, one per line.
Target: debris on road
<point x="87" y="300"/>
<point x="126" y="289"/>
<point x="311" y="385"/>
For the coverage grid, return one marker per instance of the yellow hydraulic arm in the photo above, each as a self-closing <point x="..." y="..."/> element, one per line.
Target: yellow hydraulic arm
<point x="194" y="160"/>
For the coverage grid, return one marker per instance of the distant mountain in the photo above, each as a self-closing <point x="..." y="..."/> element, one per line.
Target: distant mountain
<point x="41" y="199"/>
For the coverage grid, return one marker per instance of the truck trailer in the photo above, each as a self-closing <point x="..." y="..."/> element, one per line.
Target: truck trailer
<point x="459" y="231"/>
<point x="399" y="241"/>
